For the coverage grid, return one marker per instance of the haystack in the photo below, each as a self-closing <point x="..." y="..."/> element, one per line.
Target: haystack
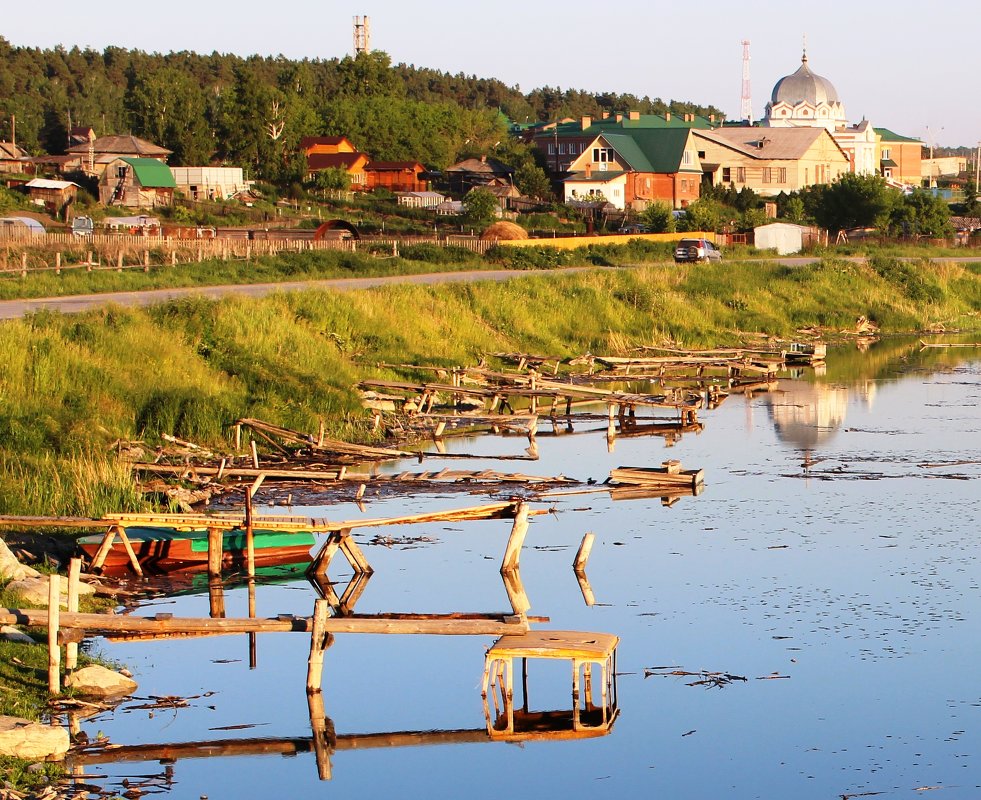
<point x="504" y="230"/>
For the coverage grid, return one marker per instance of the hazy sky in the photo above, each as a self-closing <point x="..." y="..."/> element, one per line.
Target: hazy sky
<point x="909" y="66"/>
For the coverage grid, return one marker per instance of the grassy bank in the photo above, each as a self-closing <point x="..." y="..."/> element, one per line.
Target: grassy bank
<point x="71" y="385"/>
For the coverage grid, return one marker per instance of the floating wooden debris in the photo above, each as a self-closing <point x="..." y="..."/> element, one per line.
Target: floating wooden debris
<point x="925" y="345"/>
<point x="670" y="474"/>
<point x="272" y="433"/>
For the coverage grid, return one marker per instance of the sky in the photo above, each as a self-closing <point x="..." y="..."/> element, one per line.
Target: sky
<point x="906" y="66"/>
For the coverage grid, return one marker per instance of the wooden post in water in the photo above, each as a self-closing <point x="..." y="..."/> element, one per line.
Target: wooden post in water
<point x="74" y="578"/>
<point x="512" y="552"/>
<point x="54" y="620"/>
<point x="249" y="537"/>
<point x="319" y="642"/>
<point x="579" y="565"/>
<point x="215" y="551"/>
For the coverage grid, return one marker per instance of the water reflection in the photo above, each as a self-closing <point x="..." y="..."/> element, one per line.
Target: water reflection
<point x="504" y="722"/>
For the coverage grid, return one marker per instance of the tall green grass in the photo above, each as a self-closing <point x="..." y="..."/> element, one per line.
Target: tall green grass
<point x="71" y="385"/>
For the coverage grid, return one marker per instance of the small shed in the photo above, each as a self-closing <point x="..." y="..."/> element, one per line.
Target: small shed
<point x="784" y="237"/>
<point x="54" y="196"/>
<point x="137" y="183"/>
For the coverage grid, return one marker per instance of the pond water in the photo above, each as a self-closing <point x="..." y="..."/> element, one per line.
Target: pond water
<point x="832" y="561"/>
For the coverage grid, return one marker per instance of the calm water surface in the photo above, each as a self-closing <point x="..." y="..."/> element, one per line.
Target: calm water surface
<point x="846" y="593"/>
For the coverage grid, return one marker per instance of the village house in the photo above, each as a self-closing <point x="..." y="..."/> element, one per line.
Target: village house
<point x="474" y="172"/>
<point x="14" y="158"/>
<point x="561" y="143"/>
<point x="770" y="160"/>
<point x="395" y="176"/>
<point x="98" y="153"/>
<point x="900" y="158"/>
<point x="137" y="183"/>
<point x="334" y="152"/>
<point x="632" y="169"/>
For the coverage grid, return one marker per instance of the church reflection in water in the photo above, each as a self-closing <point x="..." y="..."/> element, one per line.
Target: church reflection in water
<point x="806" y="416"/>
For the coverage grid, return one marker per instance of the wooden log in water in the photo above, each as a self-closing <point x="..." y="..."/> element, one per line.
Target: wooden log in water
<point x="424" y="624"/>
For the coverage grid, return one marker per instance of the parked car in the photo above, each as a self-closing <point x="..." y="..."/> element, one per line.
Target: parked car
<point x="82" y="226"/>
<point x="691" y="250"/>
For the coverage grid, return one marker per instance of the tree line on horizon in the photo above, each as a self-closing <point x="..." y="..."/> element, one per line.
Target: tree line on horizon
<point x="253" y="111"/>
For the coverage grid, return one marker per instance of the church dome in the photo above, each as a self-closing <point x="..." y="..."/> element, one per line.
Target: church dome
<point x="804" y="86"/>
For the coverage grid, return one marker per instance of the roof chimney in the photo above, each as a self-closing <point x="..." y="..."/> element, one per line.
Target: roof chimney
<point x="712" y="118"/>
<point x="606" y="114"/>
<point x="619" y="117"/>
<point x="667" y="116"/>
<point x="586" y="122"/>
<point x="483" y="159"/>
<point x="634" y="116"/>
<point x="589" y="169"/>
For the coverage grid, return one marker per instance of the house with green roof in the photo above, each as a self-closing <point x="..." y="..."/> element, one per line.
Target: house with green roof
<point x="137" y="183"/>
<point x="632" y="168"/>
<point x="900" y="157"/>
<point x="564" y="141"/>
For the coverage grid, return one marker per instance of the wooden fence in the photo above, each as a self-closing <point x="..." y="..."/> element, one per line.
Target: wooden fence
<point x="55" y="252"/>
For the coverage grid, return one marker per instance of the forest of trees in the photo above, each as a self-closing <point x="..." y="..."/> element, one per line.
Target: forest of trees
<point x="252" y="112"/>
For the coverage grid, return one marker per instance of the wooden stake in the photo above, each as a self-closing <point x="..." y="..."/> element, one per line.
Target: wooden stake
<point x="584" y="550"/>
<point x="58" y="263"/>
<point x="215" y="551"/>
<point x="74" y="578"/>
<point x="54" y="650"/>
<point x="512" y="552"/>
<point x="255" y="454"/>
<point x="318" y="643"/>
<point x="249" y="534"/>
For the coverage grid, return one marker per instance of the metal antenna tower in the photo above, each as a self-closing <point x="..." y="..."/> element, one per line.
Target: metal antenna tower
<point x="362" y="35"/>
<point x="746" y="104"/>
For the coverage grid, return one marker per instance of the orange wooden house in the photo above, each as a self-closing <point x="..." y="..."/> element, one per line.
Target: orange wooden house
<point x="396" y="176"/>
<point x="327" y="152"/>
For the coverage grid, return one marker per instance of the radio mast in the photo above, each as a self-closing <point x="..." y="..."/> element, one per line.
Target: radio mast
<point x="362" y="35"/>
<point x="746" y="104"/>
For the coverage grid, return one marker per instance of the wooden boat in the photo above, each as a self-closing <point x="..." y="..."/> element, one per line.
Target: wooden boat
<point x="164" y="549"/>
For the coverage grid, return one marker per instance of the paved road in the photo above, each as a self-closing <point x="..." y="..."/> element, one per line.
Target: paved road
<point x="12" y="309"/>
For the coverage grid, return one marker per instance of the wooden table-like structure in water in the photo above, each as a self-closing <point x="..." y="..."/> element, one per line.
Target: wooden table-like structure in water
<point x="583" y="649"/>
